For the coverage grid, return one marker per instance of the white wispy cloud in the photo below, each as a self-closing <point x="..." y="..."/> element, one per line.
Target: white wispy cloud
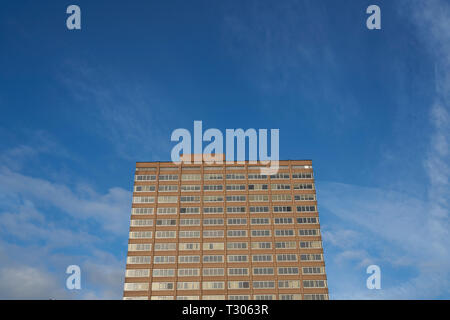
<point x="110" y="209"/>
<point x="46" y="226"/>
<point x="129" y="115"/>
<point x="388" y="228"/>
<point x="407" y="235"/>
<point x="38" y="272"/>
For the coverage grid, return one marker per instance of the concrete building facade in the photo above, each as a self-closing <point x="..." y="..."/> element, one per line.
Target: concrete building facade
<point x="224" y="232"/>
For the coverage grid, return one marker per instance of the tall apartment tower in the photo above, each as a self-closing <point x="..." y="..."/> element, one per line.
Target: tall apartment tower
<point x="224" y="232"/>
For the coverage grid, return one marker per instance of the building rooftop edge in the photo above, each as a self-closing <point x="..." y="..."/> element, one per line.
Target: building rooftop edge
<point x="236" y="162"/>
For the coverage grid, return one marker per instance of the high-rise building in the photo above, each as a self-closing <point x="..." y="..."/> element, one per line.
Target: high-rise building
<point x="224" y="232"/>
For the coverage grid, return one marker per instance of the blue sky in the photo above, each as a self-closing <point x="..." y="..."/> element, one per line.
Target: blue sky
<point x="370" y="108"/>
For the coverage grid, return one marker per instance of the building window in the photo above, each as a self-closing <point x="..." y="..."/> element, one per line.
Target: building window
<point x="260" y="233"/>
<point x="282" y="209"/>
<point x="256" y="176"/>
<point x="257" y="187"/>
<point x="167" y="210"/>
<point x="263" y="284"/>
<point x="237" y="221"/>
<point x="237" y="258"/>
<point x="213" y="233"/>
<point x="213" y="272"/>
<point x="147" y="188"/>
<point x="137" y="273"/>
<point x="188" y="259"/>
<point x="139" y="260"/>
<point x="140" y="247"/>
<point x="286" y="257"/>
<point x="189" y="222"/>
<point x="161" y="286"/>
<point x="166" y="222"/>
<point x="262" y="271"/>
<point x="311" y="257"/>
<point x="212" y="210"/>
<point x="163" y="272"/>
<point x="213" y="285"/>
<point x="212" y="198"/>
<point x="140" y="286"/>
<point x="235" y="187"/>
<point x="302" y="175"/>
<point x="313" y="270"/>
<point x="213" y="246"/>
<point x="184" y="285"/>
<point x="168" y="177"/>
<point x="259" y="209"/>
<point x="314" y="283"/>
<point x="168" y="188"/>
<point x="211" y="187"/>
<point x="163" y="259"/>
<point x="288" y="284"/>
<point x="303" y="186"/>
<point x="191" y="177"/>
<point x="238" y="297"/>
<point x="282" y="271"/>
<point x="237" y="245"/>
<point x="306" y="208"/>
<point x="284" y="232"/>
<point x="290" y="297"/>
<point x="308" y="220"/>
<point x="235" y="198"/>
<point x="262" y="258"/>
<point x="213" y="222"/>
<point x="264" y="297"/>
<point x="237" y="272"/>
<point x="145" y="177"/>
<point x="190" y="199"/>
<point x="213" y="176"/>
<point x="189" y="272"/>
<point x="165" y="246"/>
<point x="280" y="176"/>
<point x="281" y="197"/>
<point x="258" y="198"/>
<point x="315" y="296"/>
<point x="165" y="234"/>
<point x="186" y="246"/>
<point x="188" y="297"/>
<point x="141" y="222"/>
<point x="283" y="221"/>
<point x="238" y="285"/>
<point x="167" y="199"/>
<point x="278" y="186"/>
<point x="285" y="245"/>
<point x="142" y="211"/>
<point x="310" y="244"/>
<point x="140" y="235"/>
<point x="236" y="210"/>
<point x="308" y="232"/>
<point x="190" y="188"/>
<point x="261" y="245"/>
<point x="143" y="199"/>
<point x="189" y="234"/>
<point x="305" y="197"/>
<point x="235" y="176"/>
<point x="213" y="259"/>
<point x="190" y="210"/>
